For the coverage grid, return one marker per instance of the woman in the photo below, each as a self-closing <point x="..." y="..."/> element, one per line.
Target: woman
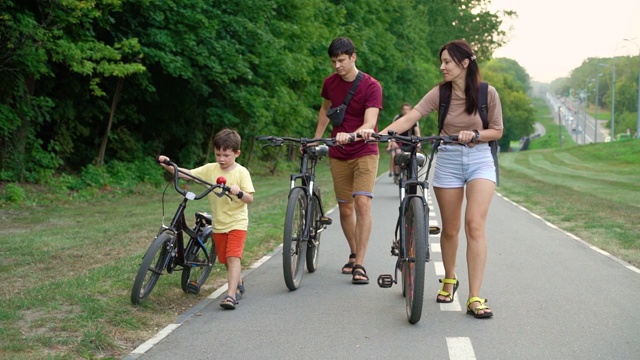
<point x="457" y="168"/>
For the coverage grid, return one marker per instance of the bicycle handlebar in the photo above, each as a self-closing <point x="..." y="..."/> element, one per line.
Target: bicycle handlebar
<point x="305" y="142"/>
<point x="209" y="188"/>
<point x="414" y="140"/>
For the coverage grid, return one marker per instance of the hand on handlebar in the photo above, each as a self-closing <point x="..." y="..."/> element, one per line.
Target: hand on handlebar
<point x="344" y="138"/>
<point x="366" y="134"/>
<point x="163" y="160"/>
<point x="466" y="136"/>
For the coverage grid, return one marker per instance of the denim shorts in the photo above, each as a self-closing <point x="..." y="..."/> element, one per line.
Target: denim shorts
<point x="456" y="165"/>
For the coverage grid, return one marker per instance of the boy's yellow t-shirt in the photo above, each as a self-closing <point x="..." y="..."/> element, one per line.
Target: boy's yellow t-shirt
<point x="228" y="214"/>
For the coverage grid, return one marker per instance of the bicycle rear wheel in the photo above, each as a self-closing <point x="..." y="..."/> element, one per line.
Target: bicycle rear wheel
<point x="196" y="269"/>
<point x="151" y="267"/>
<point x="313" y="248"/>
<point x="415" y="252"/>
<point x="293" y="246"/>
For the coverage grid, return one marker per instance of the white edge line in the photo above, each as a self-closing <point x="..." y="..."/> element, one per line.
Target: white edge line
<point x="155" y="339"/>
<point x="592" y="247"/>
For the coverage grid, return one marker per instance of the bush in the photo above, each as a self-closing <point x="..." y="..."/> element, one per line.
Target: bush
<point x="13" y="194"/>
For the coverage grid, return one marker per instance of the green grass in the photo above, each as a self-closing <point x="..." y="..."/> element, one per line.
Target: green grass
<point x="68" y="265"/>
<point x="591" y="191"/>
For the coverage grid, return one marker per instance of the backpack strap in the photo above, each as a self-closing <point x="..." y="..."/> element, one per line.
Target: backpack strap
<point x="483" y="98"/>
<point x="445" y="100"/>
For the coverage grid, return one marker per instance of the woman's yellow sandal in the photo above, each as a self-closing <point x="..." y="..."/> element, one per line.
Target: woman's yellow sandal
<point x="447" y="297"/>
<point x="482" y="307"/>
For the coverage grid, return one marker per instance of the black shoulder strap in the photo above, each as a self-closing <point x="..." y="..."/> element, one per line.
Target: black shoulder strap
<point x="354" y="86"/>
<point x="445" y="100"/>
<point x="483" y="97"/>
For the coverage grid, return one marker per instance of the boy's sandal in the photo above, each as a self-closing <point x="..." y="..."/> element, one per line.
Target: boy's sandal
<point x="228" y="303"/>
<point x="448" y="297"/>
<point x="240" y="291"/>
<point x="361" y="274"/>
<point x="482" y="307"/>
<point x="348" y="267"/>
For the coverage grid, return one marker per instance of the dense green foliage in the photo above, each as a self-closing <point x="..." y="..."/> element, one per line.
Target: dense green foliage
<point x="96" y="81"/>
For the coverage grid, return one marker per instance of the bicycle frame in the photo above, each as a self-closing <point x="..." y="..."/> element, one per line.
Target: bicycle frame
<point x="411" y="246"/>
<point x="178" y="225"/>
<point x="307" y="177"/>
<point x="304" y="218"/>
<point x="167" y="251"/>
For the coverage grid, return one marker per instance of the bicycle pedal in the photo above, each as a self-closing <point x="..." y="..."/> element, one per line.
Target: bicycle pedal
<point x="394" y="251"/>
<point x="193" y="288"/>
<point x="325" y="220"/>
<point x="434" y="230"/>
<point x="385" y="281"/>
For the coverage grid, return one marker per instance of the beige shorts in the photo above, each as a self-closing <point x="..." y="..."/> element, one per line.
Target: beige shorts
<point x="354" y="177"/>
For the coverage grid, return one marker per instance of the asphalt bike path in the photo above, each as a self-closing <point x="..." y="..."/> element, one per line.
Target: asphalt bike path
<point x="553" y="295"/>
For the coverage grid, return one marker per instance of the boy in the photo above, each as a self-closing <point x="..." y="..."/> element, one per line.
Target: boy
<point x="230" y="217"/>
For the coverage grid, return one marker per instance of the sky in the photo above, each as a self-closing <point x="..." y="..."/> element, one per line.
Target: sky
<point x="550" y="38"/>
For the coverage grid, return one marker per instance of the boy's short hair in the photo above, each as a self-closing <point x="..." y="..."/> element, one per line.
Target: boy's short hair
<point x="341" y="45"/>
<point x="227" y="139"/>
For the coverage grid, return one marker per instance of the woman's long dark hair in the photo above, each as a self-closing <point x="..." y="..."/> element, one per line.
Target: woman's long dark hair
<point x="460" y="50"/>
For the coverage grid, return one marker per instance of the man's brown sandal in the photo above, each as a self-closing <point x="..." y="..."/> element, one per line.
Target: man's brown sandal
<point x="348" y="267"/>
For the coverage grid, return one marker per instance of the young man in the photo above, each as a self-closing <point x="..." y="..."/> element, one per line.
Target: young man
<point x="354" y="165"/>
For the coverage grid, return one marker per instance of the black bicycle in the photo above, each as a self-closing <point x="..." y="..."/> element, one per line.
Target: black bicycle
<point x="411" y="243"/>
<point x="304" y="220"/>
<point x="171" y="251"/>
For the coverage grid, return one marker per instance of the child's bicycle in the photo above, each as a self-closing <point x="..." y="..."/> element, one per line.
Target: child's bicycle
<point x="411" y="243"/>
<point x="304" y="219"/>
<point x="171" y="251"/>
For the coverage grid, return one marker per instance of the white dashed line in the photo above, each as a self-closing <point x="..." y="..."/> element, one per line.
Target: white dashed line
<point x="460" y="348"/>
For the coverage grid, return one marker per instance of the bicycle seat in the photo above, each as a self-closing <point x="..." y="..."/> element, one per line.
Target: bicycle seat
<point x="201" y="215"/>
<point x="403" y="158"/>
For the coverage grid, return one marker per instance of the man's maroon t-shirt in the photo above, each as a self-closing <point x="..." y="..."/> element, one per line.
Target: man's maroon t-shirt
<point x="367" y="95"/>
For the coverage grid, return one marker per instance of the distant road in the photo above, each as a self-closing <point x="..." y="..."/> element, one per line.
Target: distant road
<point x="579" y="124"/>
<point x="554" y="297"/>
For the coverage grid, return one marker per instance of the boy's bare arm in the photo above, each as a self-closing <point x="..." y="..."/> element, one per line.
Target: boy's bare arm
<point x="161" y="159"/>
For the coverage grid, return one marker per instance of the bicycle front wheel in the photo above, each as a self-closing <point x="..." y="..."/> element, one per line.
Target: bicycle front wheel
<point x="414" y="256"/>
<point x="198" y="265"/>
<point x="151" y="267"/>
<point x="313" y="248"/>
<point x="293" y="245"/>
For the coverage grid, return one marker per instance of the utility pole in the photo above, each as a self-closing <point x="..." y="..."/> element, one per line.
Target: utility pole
<point x="559" y="127"/>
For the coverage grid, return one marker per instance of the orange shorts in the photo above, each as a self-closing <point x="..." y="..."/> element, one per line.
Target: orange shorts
<point x="229" y="244"/>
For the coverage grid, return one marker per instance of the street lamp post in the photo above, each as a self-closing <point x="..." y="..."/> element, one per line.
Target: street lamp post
<point x="586" y="107"/>
<point x="595" y="132"/>
<point x="613" y="96"/>
<point x="638" y="121"/>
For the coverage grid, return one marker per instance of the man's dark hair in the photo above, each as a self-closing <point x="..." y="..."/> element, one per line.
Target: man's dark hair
<point x="227" y="139"/>
<point x="341" y="45"/>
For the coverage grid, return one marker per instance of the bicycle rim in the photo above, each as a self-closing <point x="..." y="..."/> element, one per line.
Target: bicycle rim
<point x="313" y="249"/>
<point x="414" y="260"/>
<point x="151" y="267"/>
<point x="293" y="246"/>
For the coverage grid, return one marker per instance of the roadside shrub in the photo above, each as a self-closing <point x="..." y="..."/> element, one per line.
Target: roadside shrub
<point x="13" y="194"/>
